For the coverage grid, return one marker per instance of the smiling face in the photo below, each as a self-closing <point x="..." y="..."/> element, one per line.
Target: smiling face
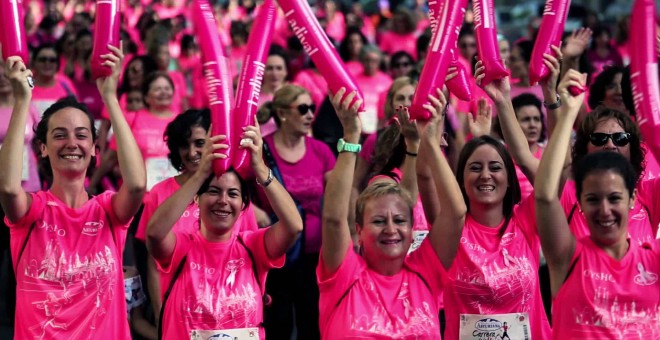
<point x="69" y="143"/>
<point x="46" y="62"/>
<point x="614" y="95"/>
<point x="605" y="202"/>
<point x="485" y="177"/>
<point x="160" y="94"/>
<point x="529" y="118"/>
<point x="610" y="126"/>
<point x="220" y="205"/>
<point x="191" y="153"/>
<point x="386" y="231"/>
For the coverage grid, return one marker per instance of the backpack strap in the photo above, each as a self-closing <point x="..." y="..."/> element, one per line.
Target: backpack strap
<point x="265" y="297"/>
<point x="177" y="273"/>
<point x="570" y="215"/>
<point x="20" y="252"/>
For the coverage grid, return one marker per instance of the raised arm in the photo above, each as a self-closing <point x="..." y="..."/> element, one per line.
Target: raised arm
<point x="411" y="138"/>
<point x="336" y="200"/>
<point x="15" y="201"/>
<point x="500" y="92"/>
<point x="160" y="238"/>
<point x="129" y="197"/>
<point x="556" y="238"/>
<point x="282" y="235"/>
<point x="447" y="227"/>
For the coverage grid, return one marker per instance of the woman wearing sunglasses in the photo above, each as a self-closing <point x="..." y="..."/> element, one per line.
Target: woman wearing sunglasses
<point x="304" y="164"/>
<point x="49" y="84"/>
<point x="605" y="285"/>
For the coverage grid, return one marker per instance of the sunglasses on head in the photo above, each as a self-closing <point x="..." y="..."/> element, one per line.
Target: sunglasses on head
<point x="618" y="138"/>
<point x="304" y="108"/>
<point x="47" y="59"/>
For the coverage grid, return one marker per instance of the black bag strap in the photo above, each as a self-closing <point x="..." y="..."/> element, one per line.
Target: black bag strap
<point x="177" y="273"/>
<point x="20" y="252"/>
<point x="265" y="297"/>
<point x="272" y="164"/>
<point x="570" y="215"/>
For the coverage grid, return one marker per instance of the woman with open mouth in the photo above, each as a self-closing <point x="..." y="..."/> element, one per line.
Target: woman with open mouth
<point x="67" y="246"/>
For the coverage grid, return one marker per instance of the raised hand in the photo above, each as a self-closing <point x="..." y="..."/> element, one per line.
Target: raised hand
<point x="347" y="113"/>
<point x="431" y="130"/>
<point x="18" y="73"/>
<point x="577" y="43"/>
<point x="408" y="128"/>
<point x="554" y="65"/>
<point x="498" y="90"/>
<point x="251" y="139"/>
<point x="209" y="155"/>
<point x="571" y="104"/>
<point x="481" y="125"/>
<point x="108" y="85"/>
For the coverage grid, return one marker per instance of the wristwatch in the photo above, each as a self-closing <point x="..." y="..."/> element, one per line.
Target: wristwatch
<point x="268" y="180"/>
<point x="342" y="146"/>
<point x="553" y="106"/>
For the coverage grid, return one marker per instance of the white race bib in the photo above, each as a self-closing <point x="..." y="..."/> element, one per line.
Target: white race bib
<point x="25" y="174"/>
<point x="418" y="237"/>
<point x="158" y="170"/>
<point x="227" y="334"/>
<point x="514" y="326"/>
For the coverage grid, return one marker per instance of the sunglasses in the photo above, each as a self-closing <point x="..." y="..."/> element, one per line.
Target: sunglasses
<point x="47" y="59"/>
<point x="402" y="64"/>
<point x="304" y="108"/>
<point x="618" y="138"/>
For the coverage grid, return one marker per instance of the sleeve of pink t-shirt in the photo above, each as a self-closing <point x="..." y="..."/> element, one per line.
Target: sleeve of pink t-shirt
<point x="525" y="217"/>
<point x="256" y="242"/>
<point x="648" y="192"/>
<point x="168" y="265"/>
<point x="368" y="147"/>
<point x="334" y="285"/>
<point x="425" y="262"/>
<point x="325" y="155"/>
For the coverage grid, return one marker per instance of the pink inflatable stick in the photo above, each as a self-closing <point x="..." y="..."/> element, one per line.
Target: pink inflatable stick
<point x="485" y="30"/>
<point x="12" y="31"/>
<point x="550" y="33"/>
<point x="460" y="86"/>
<point x="106" y="32"/>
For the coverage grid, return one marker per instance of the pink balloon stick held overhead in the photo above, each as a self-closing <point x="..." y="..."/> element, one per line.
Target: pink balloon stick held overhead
<point x="550" y="33"/>
<point x="644" y="72"/>
<point x="486" y="34"/>
<point x="459" y="86"/>
<point x="12" y="31"/>
<point x="218" y="80"/>
<point x="106" y="32"/>
<point x="317" y="45"/>
<point x="449" y="16"/>
<point x="250" y="80"/>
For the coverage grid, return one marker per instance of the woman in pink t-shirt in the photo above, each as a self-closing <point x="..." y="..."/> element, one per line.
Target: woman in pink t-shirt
<point x="212" y="281"/>
<point x="605" y="285"/>
<point x="66" y="245"/>
<point x="531" y="119"/>
<point x="275" y="77"/>
<point x="349" y="50"/>
<point x="49" y="84"/>
<point x="382" y="293"/>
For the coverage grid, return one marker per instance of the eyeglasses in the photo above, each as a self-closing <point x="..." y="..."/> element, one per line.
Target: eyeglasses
<point x="618" y="138"/>
<point x="402" y="64"/>
<point x="304" y="108"/>
<point x="47" y="59"/>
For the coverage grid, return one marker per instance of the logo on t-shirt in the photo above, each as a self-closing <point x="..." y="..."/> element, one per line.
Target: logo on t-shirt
<point x="645" y="278"/>
<point x="232" y="267"/>
<point x="92" y="228"/>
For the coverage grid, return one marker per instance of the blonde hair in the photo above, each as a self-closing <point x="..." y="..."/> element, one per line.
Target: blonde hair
<point x="397" y="85"/>
<point x="381" y="189"/>
<point x="282" y="99"/>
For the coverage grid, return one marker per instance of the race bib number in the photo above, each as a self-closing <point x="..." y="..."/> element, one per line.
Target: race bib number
<point x="158" y="170"/>
<point x="495" y="326"/>
<point x="25" y="173"/>
<point x="418" y="237"/>
<point x="228" y="334"/>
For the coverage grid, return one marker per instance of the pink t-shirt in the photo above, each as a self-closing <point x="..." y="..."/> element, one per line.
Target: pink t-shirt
<point x="603" y="298"/>
<point x="186" y="224"/>
<point x="353" y="67"/>
<point x="369" y="148"/>
<point x="358" y="303"/>
<point x="180" y="90"/>
<point x="44" y="97"/>
<point x="236" y="56"/>
<point x="336" y="27"/>
<point x="526" y="188"/>
<point x="304" y="180"/>
<point x="391" y="43"/>
<point x="148" y="130"/>
<point x="30" y="176"/>
<point x="217" y="288"/>
<point x="314" y="83"/>
<point x="372" y="87"/>
<point x="496" y="272"/>
<point x="69" y="278"/>
<point x="641" y="227"/>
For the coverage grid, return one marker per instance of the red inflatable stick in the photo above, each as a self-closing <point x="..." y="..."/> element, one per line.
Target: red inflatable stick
<point x="317" y="45"/>
<point x="485" y="30"/>
<point x="216" y="75"/>
<point x="106" y="32"/>
<point x="12" y="30"/>
<point x="249" y="82"/>
<point x="550" y="33"/>
<point x="449" y="16"/>
<point x="644" y="72"/>
<point x="460" y="86"/>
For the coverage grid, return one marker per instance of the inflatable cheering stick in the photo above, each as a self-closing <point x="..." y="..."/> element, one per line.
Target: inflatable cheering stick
<point x="106" y="32"/>
<point x="550" y="33"/>
<point x="216" y="75"/>
<point x="488" y="47"/>
<point x="12" y="32"/>
<point x="460" y="86"/>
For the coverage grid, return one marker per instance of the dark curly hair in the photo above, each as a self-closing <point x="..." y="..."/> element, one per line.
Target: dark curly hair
<point x="600" y="84"/>
<point x="179" y="130"/>
<point x="600" y="114"/>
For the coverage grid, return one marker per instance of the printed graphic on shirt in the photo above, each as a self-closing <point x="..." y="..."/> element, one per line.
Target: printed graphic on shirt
<point x="626" y="319"/>
<point x="493" y="282"/>
<point x="417" y="321"/>
<point x="228" y="334"/>
<point x="74" y="279"/>
<point x="495" y="326"/>
<point x="225" y="303"/>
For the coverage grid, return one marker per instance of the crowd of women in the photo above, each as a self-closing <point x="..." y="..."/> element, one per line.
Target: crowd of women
<point x="529" y="213"/>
